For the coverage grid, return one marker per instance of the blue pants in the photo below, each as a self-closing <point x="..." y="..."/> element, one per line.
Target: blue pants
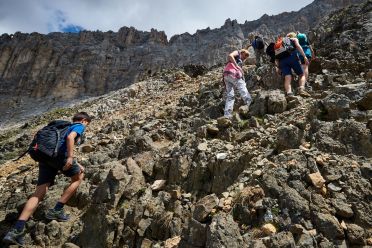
<point x="291" y="62"/>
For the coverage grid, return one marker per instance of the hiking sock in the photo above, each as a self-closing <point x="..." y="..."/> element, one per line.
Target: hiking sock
<point x="20" y="225"/>
<point x="59" y="206"/>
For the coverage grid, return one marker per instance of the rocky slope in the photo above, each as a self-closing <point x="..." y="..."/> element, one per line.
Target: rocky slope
<point x="164" y="170"/>
<point x="40" y="72"/>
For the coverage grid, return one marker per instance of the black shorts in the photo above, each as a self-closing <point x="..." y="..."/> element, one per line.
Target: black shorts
<point x="47" y="173"/>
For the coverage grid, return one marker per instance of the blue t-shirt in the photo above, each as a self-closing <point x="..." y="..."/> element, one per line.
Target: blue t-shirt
<point x="78" y="128"/>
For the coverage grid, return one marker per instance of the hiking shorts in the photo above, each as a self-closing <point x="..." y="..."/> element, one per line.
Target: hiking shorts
<point x="47" y="173"/>
<point x="291" y="62"/>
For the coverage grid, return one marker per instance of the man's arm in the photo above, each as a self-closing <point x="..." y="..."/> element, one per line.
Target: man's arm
<point x="70" y="144"/>
<point x="232" y="59"/>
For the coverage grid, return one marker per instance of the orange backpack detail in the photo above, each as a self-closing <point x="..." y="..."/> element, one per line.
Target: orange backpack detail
<point x="283" y="47"/>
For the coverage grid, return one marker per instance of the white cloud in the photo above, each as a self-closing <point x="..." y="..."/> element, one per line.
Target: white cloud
<point x="171" y="16"/>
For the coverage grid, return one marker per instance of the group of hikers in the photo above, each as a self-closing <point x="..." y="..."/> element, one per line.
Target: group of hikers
<point x="290" y="53"/>
<point x="53" y="146"/>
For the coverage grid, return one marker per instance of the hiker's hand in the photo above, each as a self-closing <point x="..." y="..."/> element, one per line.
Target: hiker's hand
<point x="82" y="169"/>
<point x="68" y="163"/>
<point x="277" y="70"/>
<point x="306" y="61"/>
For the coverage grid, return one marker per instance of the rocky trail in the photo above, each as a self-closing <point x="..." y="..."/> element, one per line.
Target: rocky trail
<point x="163" y="169"/>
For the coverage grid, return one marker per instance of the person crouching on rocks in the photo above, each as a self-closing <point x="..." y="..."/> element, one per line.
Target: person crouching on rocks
<point x="234" y="78"/>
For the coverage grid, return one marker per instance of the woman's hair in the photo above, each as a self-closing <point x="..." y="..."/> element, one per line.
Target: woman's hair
<point x="245" y="51"/>
<point x="291" y="35"/>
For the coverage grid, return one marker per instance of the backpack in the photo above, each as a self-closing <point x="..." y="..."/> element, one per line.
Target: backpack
<point x="283" y="47"/>
<point x="271" y="52"/>
<point x="48" y="140"/>
<point x="302" y="39"/>
<point x="46" y="144"/>
<point x="259" y="43"/>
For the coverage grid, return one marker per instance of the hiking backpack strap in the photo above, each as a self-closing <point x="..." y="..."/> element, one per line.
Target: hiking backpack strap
<point x="21" y="156"/>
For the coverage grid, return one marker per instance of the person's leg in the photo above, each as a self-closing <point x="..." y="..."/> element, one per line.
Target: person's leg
<point x="71" y="189"/>
<point x="287" y="84"/>
<point x="33" y="202"/>
<point x="230" y="97"/>
<point x="77" y="177"/>
<point x="258" y="57"/>
<point x="242" y="88"/>
<point x="45" y="180"/>
<point x="296" y="66"/>
<point x="305" y="68"/>
<point x="286" y="69"/>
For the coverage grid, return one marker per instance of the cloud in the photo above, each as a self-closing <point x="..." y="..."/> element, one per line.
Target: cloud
<point x="171" y="16"/>
<point x="59" y="23"/>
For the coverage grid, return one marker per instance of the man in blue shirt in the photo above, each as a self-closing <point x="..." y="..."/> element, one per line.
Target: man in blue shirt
<point x="47" y="173"/>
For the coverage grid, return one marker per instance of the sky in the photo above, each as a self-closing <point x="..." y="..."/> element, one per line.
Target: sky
<point x="171" y="16"/>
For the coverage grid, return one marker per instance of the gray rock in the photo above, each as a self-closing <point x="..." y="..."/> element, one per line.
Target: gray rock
<point x="328" y="225"/>
<point x="343" y="137"/>
<point x="335" y="107"/>
<point x="224" y="232"/>
<point x="297" y="205"/>
<point x="366" y="102"/>
<point x="146" y="162"/>
<point x="355" y="234"/>
<point x="289" y="137"/>
<point x="342" y="208"/>
<point x="111" y="190"/>
<point x="276" y="102"/>
<point x="204" y="206"/>
<point x="282" y="239"/>
<point x="134" y="145"/>
<point x="195" y="235"/>
<point x="69" y="245"/>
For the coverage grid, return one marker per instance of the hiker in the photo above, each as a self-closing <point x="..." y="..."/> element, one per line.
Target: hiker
<point x="258" y="45"/>
<point x="234" y="78"/>
<point x="286" y="60"/>
<point x="270" y="52"/>
<point x="308" y="50"/>
<point x="48" y="169"/>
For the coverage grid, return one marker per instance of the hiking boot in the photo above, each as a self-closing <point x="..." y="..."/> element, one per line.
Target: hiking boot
<point x="302" y="92"/>
<point x="290" y="96"/>
<point x="58" y="215"/>
<point x="14" y="237"/>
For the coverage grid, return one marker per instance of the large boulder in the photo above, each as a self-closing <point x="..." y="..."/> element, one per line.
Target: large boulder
<point x="335" y="107"/>
<point x="344" y="137"/>
<point x="224" y="232"/>
<point x="204" y="207"/>
<point x="289" y="137"/>
<point x="328" y="225"/>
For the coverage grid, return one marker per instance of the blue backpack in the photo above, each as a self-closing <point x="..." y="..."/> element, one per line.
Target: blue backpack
<point x="304" y="43"/>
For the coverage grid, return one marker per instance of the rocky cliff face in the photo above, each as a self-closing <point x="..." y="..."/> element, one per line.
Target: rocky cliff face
<point x="40" y="72"/>
<point x="164" y="170"/>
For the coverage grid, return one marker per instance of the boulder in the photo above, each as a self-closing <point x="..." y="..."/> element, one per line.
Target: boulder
<point x="328" y="225"/>
<point x="204" y="207"/>
<point x="224" y="232"/>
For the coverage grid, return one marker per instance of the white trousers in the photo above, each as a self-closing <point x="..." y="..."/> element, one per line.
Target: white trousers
<point x="240" y="85"/>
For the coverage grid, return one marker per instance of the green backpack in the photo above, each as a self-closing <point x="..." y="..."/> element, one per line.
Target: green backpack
<point x="302" y="39"/>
